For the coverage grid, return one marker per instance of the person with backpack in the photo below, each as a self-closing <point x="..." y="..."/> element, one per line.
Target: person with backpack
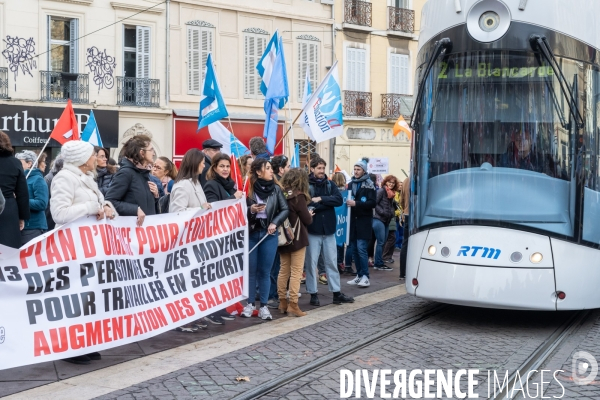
<point x="325" y="197"/>
<point x="295" y="187"/>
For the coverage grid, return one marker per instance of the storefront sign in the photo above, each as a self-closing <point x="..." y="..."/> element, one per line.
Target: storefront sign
<point x="31" y="126"/>
<point x="379" y="165"/>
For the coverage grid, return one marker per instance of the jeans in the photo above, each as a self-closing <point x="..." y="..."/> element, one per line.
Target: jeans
<point x="404" y="250"/>
<point x="349" y="254"/>
<point x="274" y="274"/>
<point x="361" y="258"/>
<point x="321" y="245"/>
<point x="340" y="254"/>
<point x="381" y="233"/>
<point x="261" y="261"/>
<point x="389" y="246"/>
<point x="399" y="234"/>
<point x="321" y="265"/>
<point x="30" y="234"/>
<point x="292" y="265"/>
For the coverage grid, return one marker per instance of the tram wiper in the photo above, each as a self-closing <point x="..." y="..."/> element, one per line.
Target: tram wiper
<point x="541" y="43"/>
<point x="441" y="46"/>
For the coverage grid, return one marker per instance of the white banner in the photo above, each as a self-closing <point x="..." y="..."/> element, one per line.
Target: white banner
<point x="92" y="285"/>
<point x="379" y="165"/>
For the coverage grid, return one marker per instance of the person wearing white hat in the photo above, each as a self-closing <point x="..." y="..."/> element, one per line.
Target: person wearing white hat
<point x="74" y="192"/>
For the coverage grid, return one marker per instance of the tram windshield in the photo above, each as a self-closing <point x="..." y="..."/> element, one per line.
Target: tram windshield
<point x="495" y="142"/>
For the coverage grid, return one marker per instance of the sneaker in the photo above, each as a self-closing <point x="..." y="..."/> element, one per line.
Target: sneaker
<point x="287" y="295"/>
<point x="364" y="282"/>
<point x="342" y="298"/>
<point x="354" y="281"/>
<point x="314" y="300"/>
<point x="384" y="268"/>
<point x="274" y="303"/>
<point x="214" y="319"/>
<point x="186" y="329"/>
<point x="349" y="271"/>
<point x="303" y="279"/>
<point x="402" y="280"/>
<point x="226" y="316"/>
<point x="371" y="263"/>
<point x="248" y="310"/>
<point x="200" y="324"/>
<point x="264" y="313"/>
<point x="323" y="279"/>
<point x="389" y="260"/>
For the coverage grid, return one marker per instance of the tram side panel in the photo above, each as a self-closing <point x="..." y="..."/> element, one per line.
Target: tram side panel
<point x="415" y="244"/>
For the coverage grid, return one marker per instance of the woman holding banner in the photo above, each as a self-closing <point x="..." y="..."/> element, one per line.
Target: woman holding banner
<point x="75" y="194"/>
<point x="267" y="209"/>
<point x="14" y="189"/>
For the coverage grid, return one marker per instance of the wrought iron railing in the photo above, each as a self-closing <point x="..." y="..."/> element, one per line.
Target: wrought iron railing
<point x="401" y="19"/>
<point x="357" y="12"/>
<point x="62" y="86"/>
<point x="3" y="83"/>
<point x="141" y="92"/>
<point x="394" y="105"/>
<point x="357" y="104"/>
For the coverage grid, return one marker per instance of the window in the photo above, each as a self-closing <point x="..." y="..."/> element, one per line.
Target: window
<point x="254" y="47"/>
<point x="308" y="57"/>
<point x="199" y="44"/>
<point x="401" y="4"/>
<point x="62" y="33"/>
<point x="356" y="69"/>
<point x="399" y="66"/>
<point x="136" y="52"/>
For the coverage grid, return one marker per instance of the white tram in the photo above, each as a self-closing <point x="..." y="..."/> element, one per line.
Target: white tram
<point x="505" y="202"/>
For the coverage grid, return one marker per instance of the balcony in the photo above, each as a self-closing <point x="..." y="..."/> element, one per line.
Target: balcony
<point x="140" y="92"/>
<point x="62" y="86"/>
<point x="401" y="20"/>
<point x="357" y="12"/>
<point x="3" y="83"/>
<point x="357" y="104"/>
<point x="394" y="105"/>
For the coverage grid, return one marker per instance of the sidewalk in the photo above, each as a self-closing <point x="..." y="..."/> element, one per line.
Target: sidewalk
<point x="20" y="379"/>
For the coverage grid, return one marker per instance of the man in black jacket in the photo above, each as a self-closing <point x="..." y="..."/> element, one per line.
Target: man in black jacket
<point x="321" y="233"/>
<point x="210" y="148"/>
<point x="361" y="220"/>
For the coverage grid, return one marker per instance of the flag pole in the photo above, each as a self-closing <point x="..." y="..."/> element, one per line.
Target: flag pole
<point x="37" y="159"/>
<point x="289" y="128"/>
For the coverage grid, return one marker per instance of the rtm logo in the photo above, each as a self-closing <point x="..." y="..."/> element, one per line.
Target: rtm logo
<point x="488" y="252"/>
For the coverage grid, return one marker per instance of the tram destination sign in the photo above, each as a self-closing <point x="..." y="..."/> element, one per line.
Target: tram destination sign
<point x="483" y="71"/>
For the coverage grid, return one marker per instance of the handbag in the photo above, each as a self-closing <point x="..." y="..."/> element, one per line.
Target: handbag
<point x="287" y="234"/>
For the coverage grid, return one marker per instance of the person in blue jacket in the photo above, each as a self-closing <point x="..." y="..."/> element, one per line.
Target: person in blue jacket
<point x="38" y="194"/>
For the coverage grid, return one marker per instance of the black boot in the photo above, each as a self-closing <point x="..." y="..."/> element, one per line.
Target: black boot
<point x="314" y="300"/>
<point x="94" y="356"/>
<point x="339" y="298"/>
<point x="83" y="360"/>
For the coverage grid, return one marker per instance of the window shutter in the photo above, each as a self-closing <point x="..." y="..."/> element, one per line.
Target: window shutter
<point x="399" y="66"/>
<point x="73" y="46"/>
<point x="350" y="67"/>
<point x="361" y="70"/>
<point x="254" y="47"/>
<point x="207" y="48"/>
<point x="302" y="64"/>
<point x="48" y="58"/>
<point x="261" y="45"/>
<point x="142" y="52"/>
<point x="313" y="59"/>
<point x="193" y="60"/>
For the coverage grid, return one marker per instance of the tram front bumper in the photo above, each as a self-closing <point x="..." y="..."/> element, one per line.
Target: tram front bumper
<point x="484" y="286"/>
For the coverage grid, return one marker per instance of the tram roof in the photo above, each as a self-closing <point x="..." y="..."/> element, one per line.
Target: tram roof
<point x="575" y="18"/>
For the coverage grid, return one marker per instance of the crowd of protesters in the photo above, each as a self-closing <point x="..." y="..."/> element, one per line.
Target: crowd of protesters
<point x="84" y="181"/>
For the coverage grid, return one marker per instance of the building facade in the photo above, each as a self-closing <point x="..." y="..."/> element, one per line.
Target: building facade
<point x="376" y="46"/>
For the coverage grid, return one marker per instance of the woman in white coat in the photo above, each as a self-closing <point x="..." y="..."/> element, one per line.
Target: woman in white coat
<point x="75" y="194"/>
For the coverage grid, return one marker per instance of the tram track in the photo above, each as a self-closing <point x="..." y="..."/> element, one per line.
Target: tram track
<point x="291" y="376"/>
<point x="542" y="353"/>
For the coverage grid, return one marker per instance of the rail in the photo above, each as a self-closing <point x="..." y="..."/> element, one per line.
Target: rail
<point x="358" y="12"/>
<point x="357" y="104"/>
<point x="140" y="92"/>
<point x="401" y="19"/>
<point x="62" y="86"/>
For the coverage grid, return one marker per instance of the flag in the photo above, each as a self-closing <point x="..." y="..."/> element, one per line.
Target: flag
<point x="266" y="65"/>
<point x="222" y="135"/>
<point x="295" y="161"/>
<point x="66" y="127"/>
<point x="235" y="173"/>
<point x="277" y="92"/>
<point x="402" y="126"/>
<point x="91" y="133"/>
<point x="324" y="108"/>
<point x="237" y="148"/>
<point x="337" y="169"/>
<point x="303" y="120"/>
<point x="212" y="105"/>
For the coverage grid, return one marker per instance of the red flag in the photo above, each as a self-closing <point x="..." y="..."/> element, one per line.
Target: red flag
<point x="235" y="173"/>
<point x="66" y="128"/>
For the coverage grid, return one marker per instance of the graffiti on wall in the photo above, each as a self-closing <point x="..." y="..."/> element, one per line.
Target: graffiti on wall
<point x="101" y="66"/>
<point x="20" y="54"/>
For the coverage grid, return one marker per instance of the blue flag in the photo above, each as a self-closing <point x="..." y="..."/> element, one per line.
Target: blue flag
<point x="91" y="133"/>
<point x="266" y="65"/>
<point x="212" y="105"/>
<point x="277" y="92"/>
<point x="237" y="148"/>
<point x="295" y="161"/>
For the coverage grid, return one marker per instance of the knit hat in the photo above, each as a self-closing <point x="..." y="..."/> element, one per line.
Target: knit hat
<point x="362" y="163"/>
<point x="27" y="156"/>
<point x="76" y="152"/>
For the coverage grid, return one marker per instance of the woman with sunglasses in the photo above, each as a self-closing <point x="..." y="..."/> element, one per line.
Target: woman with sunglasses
<point x="267" y="209"/>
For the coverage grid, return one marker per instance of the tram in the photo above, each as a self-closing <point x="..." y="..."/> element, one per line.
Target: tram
<point x="505" y="174"/>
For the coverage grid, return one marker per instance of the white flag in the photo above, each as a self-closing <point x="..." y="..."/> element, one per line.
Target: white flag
<point x="303" y="120"/>
<point x="222" y="135"/>
<point x="324" y="108"/>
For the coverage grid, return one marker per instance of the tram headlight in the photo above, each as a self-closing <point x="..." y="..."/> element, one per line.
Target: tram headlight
<point x="489" y="21"/>
<point x="431" y="250"/>
<point x="536" y="258"/>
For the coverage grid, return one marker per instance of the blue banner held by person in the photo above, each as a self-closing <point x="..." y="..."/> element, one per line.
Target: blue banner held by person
<point x="341" y="218"/>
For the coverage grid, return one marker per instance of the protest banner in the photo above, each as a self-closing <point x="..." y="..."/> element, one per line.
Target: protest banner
<point x="379" y="165"/>
<point x="341" y="218"/>
<point x="93" y="285"/>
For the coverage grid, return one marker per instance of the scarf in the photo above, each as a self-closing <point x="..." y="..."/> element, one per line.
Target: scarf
<point x="390" y="192"/>
<point x="363" y="181"/>
<point x="263" y="188"/>
<point x="313" y="180"/>
<point x="228" y="184"/>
